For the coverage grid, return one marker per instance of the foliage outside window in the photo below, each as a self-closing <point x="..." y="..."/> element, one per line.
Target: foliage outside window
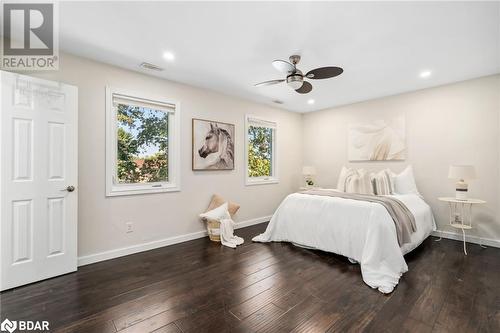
<point x="260" y="143"/>
<point x="260" y="151"/>
<point x="142" y="144"/>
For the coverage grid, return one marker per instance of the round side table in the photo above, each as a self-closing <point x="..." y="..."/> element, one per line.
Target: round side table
<point x="461" y="213"/>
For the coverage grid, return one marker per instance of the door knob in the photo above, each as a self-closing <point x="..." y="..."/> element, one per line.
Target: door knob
<point x="69" y="188"/>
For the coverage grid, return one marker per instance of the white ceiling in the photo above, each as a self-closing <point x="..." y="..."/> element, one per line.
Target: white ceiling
<point x="227" y="47"/>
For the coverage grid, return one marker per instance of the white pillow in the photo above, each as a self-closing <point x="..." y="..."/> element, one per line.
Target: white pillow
<point x="217" y="214"/>
<point x="365" y="182"/>
<point x="344" y="174"/>
<point x="390" y="177"/>
<point x="404" y="183"/>
<point x="359" y="182"/>
<point x="382" y="183"/>
<point x="341" y="179"/>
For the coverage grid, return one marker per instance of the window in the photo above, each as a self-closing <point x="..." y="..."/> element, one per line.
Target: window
<point x="142" y="144"/>
<point x="260" y="152"/>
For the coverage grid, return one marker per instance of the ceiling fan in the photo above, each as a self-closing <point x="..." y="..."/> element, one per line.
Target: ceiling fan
<point x="295" y="78"/>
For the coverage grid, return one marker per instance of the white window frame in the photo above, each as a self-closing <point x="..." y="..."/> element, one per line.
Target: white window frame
<point x="174" y="161"/>
<point x="273" y="179"/>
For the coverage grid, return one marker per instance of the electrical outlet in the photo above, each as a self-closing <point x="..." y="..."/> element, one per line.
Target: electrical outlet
<point x="130" y="227"/>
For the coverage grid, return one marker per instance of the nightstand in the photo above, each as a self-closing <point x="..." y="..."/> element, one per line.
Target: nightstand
<point x="305" y="188"/>
<point x="461" y="213"/>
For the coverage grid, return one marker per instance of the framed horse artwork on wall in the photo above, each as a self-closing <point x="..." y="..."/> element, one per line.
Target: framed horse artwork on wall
<point x="213" y="145"/>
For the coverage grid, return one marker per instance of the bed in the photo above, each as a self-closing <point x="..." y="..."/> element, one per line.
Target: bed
<point x="362" y="231"/>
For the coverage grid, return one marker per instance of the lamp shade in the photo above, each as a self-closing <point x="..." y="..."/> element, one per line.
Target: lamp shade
<point x="308" y="170"/>
<point x="462" y="172"/>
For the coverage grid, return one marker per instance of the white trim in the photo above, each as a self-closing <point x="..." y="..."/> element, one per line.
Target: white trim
<point x="273" y="179"/>
<point x="261" y="122"/>
<point x="174" y="154"/>
<point x="250" y="181"/>
<point x="251" y="222"/>
<point x="143" y="102"/>
<point x="125" y="251"/>
<point x="468" y="238"/>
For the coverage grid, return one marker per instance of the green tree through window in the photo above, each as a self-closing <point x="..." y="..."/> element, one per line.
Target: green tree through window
<point x="260" y="149"/>
<point x="142" y="145"/>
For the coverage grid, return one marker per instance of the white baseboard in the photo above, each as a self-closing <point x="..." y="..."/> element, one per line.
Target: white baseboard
<point x="468" y="238"/>
<point x="248" y="223"/>
<point x="125" y="251"/>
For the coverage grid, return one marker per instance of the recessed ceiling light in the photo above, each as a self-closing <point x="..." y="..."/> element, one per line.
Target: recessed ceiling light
<point x="311" y="101"/>
<point x="169" y="56"/>
<point x="425" y="74"/>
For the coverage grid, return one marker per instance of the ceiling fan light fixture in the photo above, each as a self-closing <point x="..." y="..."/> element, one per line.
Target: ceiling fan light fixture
<point x="295" y="81"/>
<point x="295" y="78"/>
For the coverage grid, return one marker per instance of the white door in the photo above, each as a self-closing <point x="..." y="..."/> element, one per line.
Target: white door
<point x="38" y="179"/>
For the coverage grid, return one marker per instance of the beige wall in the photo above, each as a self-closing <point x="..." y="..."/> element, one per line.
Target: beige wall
<point x="158" y="216"/>
<point x="452" y="124"/>
<point x="456" y="123"/>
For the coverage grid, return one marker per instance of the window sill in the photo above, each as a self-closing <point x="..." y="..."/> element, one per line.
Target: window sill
<point x="130" y="190"/>
<point x="251" y="182"/>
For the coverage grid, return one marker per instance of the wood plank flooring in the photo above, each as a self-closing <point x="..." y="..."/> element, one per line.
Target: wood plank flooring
<point x="199" y="286"/>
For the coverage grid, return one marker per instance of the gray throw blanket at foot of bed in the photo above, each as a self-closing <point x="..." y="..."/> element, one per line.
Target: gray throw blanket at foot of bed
<point x="404" y="221"/>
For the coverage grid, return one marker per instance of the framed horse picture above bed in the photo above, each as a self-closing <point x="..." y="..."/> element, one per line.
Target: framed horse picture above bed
<point x="213" y="145"/>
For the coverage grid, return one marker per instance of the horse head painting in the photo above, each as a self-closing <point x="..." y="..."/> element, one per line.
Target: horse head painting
<point x="213" y="146"/>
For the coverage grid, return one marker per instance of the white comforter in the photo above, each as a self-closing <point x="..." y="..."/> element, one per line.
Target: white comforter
<point x="360" y="230"/>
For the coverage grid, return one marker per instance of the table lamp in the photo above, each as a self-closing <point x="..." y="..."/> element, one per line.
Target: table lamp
<point x="309" y="172"/>
<point x="461" y="173"/>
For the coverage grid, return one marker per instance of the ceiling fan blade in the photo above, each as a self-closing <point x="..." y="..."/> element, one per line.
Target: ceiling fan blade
<point x="324" y="73"/>
<point x="284" y="66"/>
<point x="268" y="83"/>
<point x="306" y="87"/>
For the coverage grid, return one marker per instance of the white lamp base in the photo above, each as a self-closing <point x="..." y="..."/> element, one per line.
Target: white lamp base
<point x="461" y="190"/>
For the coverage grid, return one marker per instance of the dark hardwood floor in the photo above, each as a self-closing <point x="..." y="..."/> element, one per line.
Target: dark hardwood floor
<point x="199" y="286"/>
